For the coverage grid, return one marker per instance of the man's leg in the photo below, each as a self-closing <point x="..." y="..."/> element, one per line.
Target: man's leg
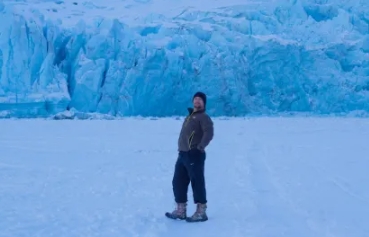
<point x="196" y="167"/>
<point x="180" y="183"/>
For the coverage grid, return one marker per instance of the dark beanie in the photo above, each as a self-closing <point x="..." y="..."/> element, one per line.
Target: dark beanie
<point x="202" y="96"/>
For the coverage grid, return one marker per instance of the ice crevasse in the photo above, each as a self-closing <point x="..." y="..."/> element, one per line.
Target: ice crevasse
<point x="257" y="57"/>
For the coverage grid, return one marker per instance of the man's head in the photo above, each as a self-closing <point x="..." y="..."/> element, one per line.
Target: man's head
<point x="199" y="101"/>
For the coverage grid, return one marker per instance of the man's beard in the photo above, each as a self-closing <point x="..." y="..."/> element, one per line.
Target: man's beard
<point x="197" y="107"/>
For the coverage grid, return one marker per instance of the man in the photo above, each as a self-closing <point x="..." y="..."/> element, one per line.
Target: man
<point x="196" y="133"/>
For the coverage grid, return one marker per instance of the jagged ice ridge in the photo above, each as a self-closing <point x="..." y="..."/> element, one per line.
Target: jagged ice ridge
<point x="259" y="57"/>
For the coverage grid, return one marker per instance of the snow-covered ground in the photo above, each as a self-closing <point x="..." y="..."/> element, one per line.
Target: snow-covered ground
<point x="266" y="177"/>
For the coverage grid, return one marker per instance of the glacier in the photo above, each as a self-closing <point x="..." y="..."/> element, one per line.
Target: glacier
<point x="148" y="57"/>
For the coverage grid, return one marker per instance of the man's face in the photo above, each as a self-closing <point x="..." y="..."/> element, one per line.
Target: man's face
<point x="198" y="103"/>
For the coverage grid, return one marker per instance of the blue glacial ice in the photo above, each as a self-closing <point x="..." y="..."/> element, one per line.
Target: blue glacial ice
<point x="262" y="57"/>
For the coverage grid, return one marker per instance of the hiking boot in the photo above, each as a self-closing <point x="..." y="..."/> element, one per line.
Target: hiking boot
<point x="199" y="215"/>
<point x="179" y="212"/>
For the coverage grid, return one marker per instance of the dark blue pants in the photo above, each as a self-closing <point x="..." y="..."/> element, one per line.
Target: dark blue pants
<point x="190" y="168"/>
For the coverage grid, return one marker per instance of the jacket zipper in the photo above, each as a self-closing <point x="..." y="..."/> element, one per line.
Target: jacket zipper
<point x="188" y="118"/>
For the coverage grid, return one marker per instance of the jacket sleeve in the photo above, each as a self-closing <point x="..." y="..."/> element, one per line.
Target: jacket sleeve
<point x="207" y="127"/>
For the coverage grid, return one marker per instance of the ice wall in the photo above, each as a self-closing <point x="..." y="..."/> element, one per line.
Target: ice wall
<point x="263" y="57"/>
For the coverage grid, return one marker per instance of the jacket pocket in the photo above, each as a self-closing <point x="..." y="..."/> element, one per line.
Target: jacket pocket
<point x="190" y="139"/>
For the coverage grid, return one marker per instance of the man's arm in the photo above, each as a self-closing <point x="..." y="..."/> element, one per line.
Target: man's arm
<point x="207" y="127"/>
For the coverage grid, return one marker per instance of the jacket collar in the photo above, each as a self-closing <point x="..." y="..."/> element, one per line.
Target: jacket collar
<point x="191" y="111"/>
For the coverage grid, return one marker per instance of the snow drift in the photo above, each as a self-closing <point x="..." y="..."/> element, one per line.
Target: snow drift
<point x="148" y="57"/>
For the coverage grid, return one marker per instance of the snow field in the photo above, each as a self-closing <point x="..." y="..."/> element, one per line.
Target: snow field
<point x="266" y="177"/>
